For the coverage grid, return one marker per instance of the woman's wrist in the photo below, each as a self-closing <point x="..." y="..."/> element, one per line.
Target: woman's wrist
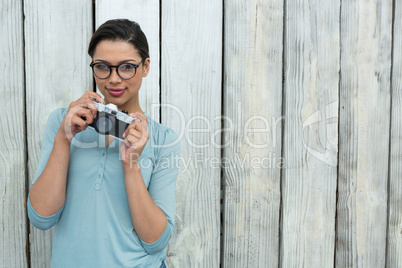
<point x="61" y="135"/>
<point x="61" y="138"/>
<point x="132" y="175"/>
<point x="131" y="168"/>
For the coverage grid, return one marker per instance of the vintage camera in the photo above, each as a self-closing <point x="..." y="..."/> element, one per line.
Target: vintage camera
<point x="110" y="120"/>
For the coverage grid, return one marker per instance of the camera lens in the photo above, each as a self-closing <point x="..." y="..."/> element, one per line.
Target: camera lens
<point x="104" y="124"/>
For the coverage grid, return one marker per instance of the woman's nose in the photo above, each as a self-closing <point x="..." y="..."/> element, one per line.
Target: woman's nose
<point x="114" y="76"/>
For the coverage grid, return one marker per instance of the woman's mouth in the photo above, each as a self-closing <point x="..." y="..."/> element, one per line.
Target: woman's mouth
<point x="115" y="92"/>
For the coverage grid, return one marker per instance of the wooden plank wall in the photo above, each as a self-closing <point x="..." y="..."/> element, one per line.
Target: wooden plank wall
<point x="288" y="110"/>
<point x="366" y="36"/>
<point x="191" y="105"/>
<point x="13" y="220"/>
<point x="310" y="133"/>
<point x="252" y="137"/>
<point x="57" y="72"/>
<point x="394" y="246"/>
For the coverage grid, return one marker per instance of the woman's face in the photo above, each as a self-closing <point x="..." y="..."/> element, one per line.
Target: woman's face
<point x="121" y="92"/>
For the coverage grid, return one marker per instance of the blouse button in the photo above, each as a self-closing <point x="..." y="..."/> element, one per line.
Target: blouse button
<point x="97" y="186"/>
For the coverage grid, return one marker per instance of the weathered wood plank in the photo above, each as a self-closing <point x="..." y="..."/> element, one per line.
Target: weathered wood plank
<point x="394" y="258"/>
<point x="13" y="230"/>
<point x="57" y="72"/>
<point x="310" y="133"/>
<point x="146" y="14"/>
<point x="364" y="133"/>
<point x="252" y="155"/>
<point x="191" y="100"/>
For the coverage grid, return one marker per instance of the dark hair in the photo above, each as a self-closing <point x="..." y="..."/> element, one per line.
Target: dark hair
<point x="120" y="30"/>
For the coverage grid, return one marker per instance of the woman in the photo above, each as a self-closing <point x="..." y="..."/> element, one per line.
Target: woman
<point x="112" y="202"/>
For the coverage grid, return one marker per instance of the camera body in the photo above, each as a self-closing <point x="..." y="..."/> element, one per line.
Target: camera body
<point x="110" y="120"/>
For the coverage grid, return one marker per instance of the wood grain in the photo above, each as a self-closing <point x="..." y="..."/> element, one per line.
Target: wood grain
<point x="57" y="72"/>
<point x="316" y="62"/>
<point x="310" y="133"/>
<point x="146" y="14"/>
<point x="364" y="133"/>
<point x="191" y="99"/>
<point x="13" y="231"/>
<point x="252" y="132"/>
<point x="394" y="257"/>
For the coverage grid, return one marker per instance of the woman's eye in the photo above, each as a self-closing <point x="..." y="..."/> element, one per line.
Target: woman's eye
<point x="126" y="67"/>
<point x="101" y="66"/>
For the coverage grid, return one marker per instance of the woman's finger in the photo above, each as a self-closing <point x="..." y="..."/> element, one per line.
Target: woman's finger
<point x="127" y="143"/>
<point x="79" y="122"/>
<point x="135" y="133"/>
<point x="133" y="125"/>
<point x="139" y="116"/>
<point x="143" y="126"/>
<point x="92" y="107"/>
<point x="144" y="121"/>
<point x="83" y="111"/>
<point x="90" y="94"/>
<point x="132" y="140"/>
<point x="86" y="115"/>
<point x="144" y="118"/>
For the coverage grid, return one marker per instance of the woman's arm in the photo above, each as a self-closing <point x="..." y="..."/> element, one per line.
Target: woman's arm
<point x="47" y="194"/>
<point x="152" y="207"/>
<point x="148" y="219"/>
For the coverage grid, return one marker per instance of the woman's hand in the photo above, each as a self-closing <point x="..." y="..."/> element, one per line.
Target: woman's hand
<point x="80" y="114"/>
<point x="136" y="137"/>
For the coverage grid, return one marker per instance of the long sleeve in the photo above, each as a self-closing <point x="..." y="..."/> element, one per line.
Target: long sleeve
<point x="162" y="186"/>
<point x="51" y="129"/>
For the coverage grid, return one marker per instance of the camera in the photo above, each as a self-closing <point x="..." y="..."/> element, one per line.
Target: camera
<point x="110" y="120"/>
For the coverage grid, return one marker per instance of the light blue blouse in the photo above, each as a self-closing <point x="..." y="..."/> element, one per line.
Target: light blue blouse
<point x="94" y="228"/>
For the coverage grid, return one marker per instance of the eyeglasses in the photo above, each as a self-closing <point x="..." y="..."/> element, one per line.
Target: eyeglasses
<point x="124" y="70"/>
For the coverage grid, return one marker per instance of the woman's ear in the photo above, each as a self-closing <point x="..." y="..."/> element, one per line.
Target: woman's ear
<point x="145" y="67"/>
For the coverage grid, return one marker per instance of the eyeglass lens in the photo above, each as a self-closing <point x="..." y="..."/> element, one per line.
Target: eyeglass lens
<point x="124" y="70"/>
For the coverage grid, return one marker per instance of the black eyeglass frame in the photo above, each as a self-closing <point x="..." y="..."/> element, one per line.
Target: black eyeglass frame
<point x="117" y="69"/>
